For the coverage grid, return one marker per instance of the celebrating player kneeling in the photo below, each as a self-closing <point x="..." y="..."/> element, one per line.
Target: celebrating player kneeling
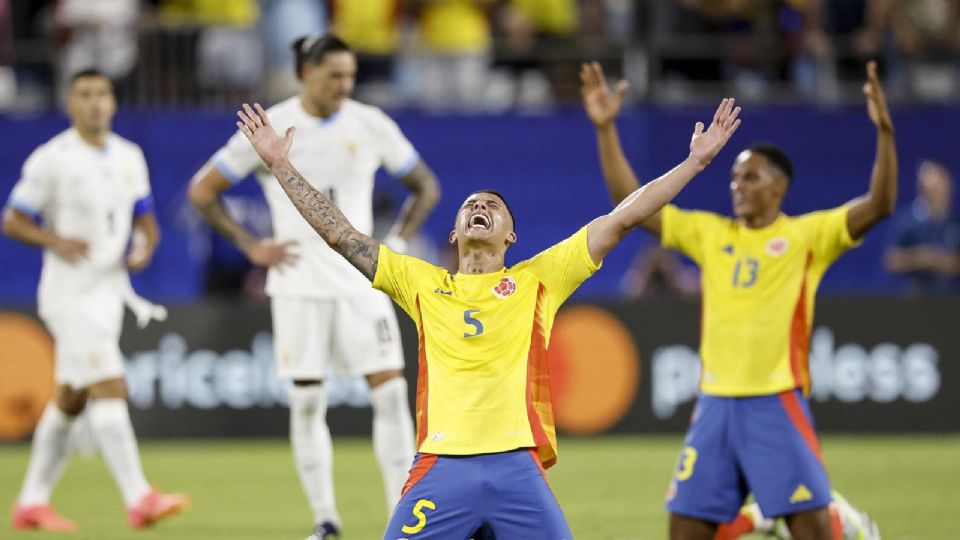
<point x="484" y="420"/>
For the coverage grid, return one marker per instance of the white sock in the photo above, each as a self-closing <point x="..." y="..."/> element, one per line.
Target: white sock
<point x="313" y="450"/>
<point x="393" y="437"/>
<point x="48" y="456"/>
<point x="110" y="421"/>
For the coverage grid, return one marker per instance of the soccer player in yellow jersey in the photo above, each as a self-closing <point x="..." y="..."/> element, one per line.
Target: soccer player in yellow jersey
<point x="752" y="429"/>
<point x="485" y="428"/>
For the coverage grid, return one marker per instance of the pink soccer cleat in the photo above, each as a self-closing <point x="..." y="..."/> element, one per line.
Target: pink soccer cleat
<point x="154" y="507"/>
<point x="40" y="517"/>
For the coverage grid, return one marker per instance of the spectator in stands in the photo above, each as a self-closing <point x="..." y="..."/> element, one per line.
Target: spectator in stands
<point x="372" y="28"/>
<point x="455" y="39"/>
<point x="229" y="50"/>
<point x="927" y="33"/>
<point x="838" y="36"/>
<point x="925" y="244"/>
<point x="532" y="38"/>
<point x="8" y="83"/>
<point x="282" y="21"/>
<point x="100" y="34"/>
<point x="746" y="41"/>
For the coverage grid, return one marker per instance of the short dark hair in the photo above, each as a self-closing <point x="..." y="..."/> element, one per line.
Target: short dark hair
<point x="505" y="204"/>
<point x="313" y="47"/>
<point x="88" y="73"/>
<point x="777" y="158"/>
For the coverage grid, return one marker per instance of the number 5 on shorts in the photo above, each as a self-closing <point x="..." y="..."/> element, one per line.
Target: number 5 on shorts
<point x="688" y="459"/>
<point x="421" y="517"/>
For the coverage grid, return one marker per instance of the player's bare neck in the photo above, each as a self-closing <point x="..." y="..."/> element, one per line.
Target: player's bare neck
<point x="316" y="109"/>
<point x="480" y="261"/>
<point x="761" y="220"/>
<point x="97" y="138"/>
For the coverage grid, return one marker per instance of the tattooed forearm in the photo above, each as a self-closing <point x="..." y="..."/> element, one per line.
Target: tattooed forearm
<point x="359" y="249"/>
<point x="216" y="214"/>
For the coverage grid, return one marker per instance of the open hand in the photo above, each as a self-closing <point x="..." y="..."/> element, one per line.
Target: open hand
<point x="271" y="147"/>
<point x="601" y="104"/>
<point x="705" y="145"/>
<point x="876" y="100"/>
<point x="267" y="252"/>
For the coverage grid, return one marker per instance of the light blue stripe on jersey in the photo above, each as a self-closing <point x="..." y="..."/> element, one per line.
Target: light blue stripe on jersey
<point x="25" y="208"/>
<point x="408" y="166"/>
<point x="226" y="171"/>
<point x="143" y="206"/>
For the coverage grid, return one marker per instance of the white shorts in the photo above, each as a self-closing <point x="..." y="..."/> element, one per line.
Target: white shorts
<point x="354" y="336"/>
<point x="86" y="342"/>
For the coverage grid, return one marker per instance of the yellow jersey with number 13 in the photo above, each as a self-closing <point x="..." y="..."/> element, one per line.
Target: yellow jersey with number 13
<point x="758" y="293"/>
<point x="483" y="384"/>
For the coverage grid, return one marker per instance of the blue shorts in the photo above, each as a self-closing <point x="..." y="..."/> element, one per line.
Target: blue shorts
<point x="451" y="497"/>
<point x="762" y="444"/>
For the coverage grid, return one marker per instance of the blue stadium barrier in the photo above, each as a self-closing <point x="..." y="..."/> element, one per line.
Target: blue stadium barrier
<point x="546" y="165"/>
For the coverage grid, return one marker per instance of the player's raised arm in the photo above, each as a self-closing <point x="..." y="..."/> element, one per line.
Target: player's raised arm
<point x="880" y="201"/>
<point x="602" y="106"/>
<point x="359" y="249"/>
<point x="606" y="231"/>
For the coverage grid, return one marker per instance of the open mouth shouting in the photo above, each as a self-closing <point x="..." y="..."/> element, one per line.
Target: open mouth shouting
<point x="479" y="221"/>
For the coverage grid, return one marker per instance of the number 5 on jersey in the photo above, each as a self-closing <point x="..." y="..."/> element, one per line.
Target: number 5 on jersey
<point x="472" y="321"/>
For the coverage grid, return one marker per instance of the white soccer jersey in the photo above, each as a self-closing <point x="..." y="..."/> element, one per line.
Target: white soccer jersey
<point x="91" y="194"/>
<point x="339" y="156"/>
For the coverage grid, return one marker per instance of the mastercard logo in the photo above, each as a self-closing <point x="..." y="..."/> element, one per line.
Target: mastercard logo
<point x="594" y="370"/>
<point x="26" y="374"/>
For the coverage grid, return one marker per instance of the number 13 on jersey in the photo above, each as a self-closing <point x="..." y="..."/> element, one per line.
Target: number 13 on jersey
<point x="745" y="273"/>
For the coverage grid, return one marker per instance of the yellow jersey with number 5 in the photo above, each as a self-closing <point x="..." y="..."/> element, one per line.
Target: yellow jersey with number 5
<point x="758" y="294"/>
<point x="483" y="384"/>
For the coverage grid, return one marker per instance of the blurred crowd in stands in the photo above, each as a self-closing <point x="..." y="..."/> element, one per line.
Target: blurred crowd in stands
<point x="483" y="54"/>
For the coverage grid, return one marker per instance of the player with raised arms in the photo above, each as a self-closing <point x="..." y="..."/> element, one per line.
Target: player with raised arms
<point x="752" y="429"/>
<point x="324" y="311"/>
<point x="485" y="430"/>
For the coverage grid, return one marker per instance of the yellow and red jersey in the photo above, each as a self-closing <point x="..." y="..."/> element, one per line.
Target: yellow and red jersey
<point x="483" y="384"/>
<point x="758" y="294"/>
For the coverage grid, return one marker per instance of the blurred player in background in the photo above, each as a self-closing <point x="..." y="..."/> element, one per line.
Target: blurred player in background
<point x="752" y="429"/>
<point x="89" y="188"/>
<point x="485" y="430"/>
<point x="323" y="309"/>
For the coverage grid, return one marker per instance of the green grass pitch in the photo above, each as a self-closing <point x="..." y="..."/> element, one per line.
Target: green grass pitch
<point x="610" y="488"/>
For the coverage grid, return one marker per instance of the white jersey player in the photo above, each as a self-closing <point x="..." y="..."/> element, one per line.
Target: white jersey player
<point x="89" y="189"/>
<point x="323" y="308"/>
